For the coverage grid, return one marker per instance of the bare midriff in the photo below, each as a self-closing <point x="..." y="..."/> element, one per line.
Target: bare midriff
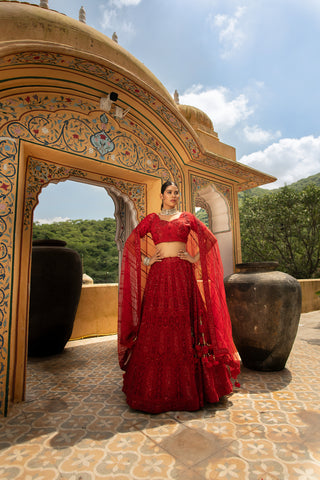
<point x="170" y="249"/>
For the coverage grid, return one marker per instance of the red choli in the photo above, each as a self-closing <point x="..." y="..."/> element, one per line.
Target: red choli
<point x="174" y="231"/>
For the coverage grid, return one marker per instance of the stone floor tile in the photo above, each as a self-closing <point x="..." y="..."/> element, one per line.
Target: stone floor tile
<point x="158" y="429"/>
<point x="181" y="472"/>
<point x="224" y="466"/>
<point x="304" y="470"/>
<point x="190" y="446"/>
<point x="252" y="449"/>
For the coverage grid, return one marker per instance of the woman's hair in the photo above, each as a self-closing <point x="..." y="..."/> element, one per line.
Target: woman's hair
<point x="165" y="185"/>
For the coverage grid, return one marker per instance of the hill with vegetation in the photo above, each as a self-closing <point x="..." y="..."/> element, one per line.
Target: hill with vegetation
<point x="298" y="186"/>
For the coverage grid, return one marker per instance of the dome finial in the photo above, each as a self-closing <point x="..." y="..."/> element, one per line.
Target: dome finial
<point x="44" y="4"/>
<point x="198" y="119"/>
<point x="176" y="97"/>
<point x="82" y="15"/>
<point x="115" y="37"/>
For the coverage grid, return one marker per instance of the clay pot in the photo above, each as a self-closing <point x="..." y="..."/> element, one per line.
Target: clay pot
<point x="56" y="282"/>
<point x="265" y="307"/>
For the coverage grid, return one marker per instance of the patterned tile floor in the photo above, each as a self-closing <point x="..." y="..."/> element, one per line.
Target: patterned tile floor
<point x="75" y="425"/>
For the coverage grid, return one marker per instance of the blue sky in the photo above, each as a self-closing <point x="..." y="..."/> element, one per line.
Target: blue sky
<point x="252" y="66"/>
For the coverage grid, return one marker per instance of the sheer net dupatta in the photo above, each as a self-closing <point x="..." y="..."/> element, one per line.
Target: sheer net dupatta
<point x="131" y="287"/>
<point x="213" y="332"/>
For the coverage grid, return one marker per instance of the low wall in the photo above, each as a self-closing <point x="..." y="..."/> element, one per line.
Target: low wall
<point x="97" y="312"/>
<point x="310" y="301"/>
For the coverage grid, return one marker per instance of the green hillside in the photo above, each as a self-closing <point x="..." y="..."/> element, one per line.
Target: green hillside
<point x="304" y="182"/>
<point x="299" y="185"/>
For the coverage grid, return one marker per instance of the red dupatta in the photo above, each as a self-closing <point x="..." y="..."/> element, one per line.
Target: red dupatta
<point x="131" y="287"/>
<point x="213" y="336"/>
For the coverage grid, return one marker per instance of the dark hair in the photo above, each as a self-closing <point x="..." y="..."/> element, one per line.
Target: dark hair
<point x="165" y="185"/>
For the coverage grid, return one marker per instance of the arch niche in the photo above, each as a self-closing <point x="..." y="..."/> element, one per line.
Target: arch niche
<point x="213" y="198"/>
<point x="53" y="126"/>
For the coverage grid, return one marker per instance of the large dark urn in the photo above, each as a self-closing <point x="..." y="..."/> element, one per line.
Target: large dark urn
<point x="265" y="307"/>
<point x="56" y="281"/>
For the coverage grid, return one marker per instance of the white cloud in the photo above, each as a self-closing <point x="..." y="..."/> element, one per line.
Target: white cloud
<point x="112" y="21"/>
<point x="231" y="36"/>
<point x="124" y="3"/>
<point x="42" y="221"/>
<point x="109" y="18"/>
<point x="112" y="16"/>
<point x="224" y="111"/>
<point x="255" y="134"/>
<point x="289" y="160"/>
<point x="127" y="27"/>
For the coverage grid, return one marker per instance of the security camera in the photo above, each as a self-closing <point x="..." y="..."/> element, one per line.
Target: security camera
<point x="113" y="96"/>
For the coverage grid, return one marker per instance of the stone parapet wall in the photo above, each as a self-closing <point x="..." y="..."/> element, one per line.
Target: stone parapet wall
<point x="310" y="301"/>
<point x="98" y="308"/>
<point x="97" y="312"/>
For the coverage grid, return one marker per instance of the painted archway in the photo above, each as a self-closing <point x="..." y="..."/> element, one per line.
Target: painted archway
<point x="39" y="173"/>
<point x="54" y="72"/>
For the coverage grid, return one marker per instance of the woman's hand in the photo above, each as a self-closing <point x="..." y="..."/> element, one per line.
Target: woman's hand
<point x="183" y="255"/>
<point x="155" y="258"/>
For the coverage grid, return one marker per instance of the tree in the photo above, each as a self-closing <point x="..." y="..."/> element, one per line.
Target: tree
<point x="283" y="226"/>
<point x="202" y="215"/>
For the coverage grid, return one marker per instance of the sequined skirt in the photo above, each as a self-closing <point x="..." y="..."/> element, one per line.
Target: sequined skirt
<point x="163" y="372"/>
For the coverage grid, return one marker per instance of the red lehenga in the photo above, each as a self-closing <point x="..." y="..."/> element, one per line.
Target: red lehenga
<point x="174" y="334"/>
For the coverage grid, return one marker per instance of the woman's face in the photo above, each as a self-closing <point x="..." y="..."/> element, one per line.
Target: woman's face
<point x="170" y="197"/>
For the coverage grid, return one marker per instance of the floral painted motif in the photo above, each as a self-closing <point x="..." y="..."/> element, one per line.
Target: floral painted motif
<point x="8" y="171"/>
<point x="229" y="167"/>
<point x="137" y="193"/>
<point x="101" y="140"/>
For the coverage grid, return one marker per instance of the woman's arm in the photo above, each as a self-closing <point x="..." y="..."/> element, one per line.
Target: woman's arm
<point x="186" y="256"/>
<point x="148" y="261"/>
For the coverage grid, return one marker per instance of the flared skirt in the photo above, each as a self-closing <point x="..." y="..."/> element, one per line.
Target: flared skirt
<point x="164" y="372"/>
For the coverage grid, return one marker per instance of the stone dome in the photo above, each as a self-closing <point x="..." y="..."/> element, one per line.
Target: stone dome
<point x="28" y="27"/>
<point x="197" y="118"/>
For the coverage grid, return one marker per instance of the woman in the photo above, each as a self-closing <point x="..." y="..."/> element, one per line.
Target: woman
<point x="174" y="341"/>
